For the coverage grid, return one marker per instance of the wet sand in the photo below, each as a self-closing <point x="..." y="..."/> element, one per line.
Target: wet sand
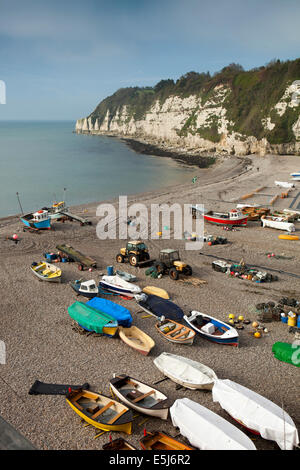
<point x="41" y="343"/>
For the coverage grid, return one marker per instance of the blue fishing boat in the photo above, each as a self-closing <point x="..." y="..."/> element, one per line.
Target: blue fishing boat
<point x="39" y="220"/>
<point x="212" y="329"/>
<point x="118" y="312"/>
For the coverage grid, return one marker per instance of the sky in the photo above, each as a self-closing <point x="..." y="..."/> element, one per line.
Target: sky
<point x="59" y="59"/>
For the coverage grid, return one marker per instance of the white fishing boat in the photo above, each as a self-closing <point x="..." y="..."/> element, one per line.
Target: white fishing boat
<point x="295" y="176"/>
<point x="190" y="374"/>
<point x="205" y="429"/>
<point x="140" y="396"/>
<point x="212" y="329"/>
<point x="278" y="223"/>
<point x="119" y="286"/>
<point x="256" y="413"/>
<point x="284" y="184"/>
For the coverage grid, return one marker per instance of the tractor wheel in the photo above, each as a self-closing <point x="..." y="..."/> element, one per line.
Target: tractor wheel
<point x="188" y="270"/>
<point x="173" y="273"/>
<point x="120" y="258"/>
<point x="133" y="260"/>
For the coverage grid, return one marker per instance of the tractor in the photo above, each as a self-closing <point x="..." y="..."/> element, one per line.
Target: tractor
<point x="169" y="262"/>
<point x="135" y="252"/>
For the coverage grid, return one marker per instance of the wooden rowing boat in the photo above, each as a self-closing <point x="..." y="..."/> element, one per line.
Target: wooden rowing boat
<point x="161" y="441"/>
<point x="175" y="332"/>
<point x="136" y="339"/>
<point x="100" y="411"/>
<point x="190" y="374"/>
<point x="156" y="291"/>
<point x="118" y="444"/>
<point x="140" y="396"/>
<point x="46" y="271"/>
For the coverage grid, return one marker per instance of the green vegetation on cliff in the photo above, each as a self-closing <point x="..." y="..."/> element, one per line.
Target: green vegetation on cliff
<point x="253" y="95"/>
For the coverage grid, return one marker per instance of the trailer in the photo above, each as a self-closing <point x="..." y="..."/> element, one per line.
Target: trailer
<point x="75" y="255"/>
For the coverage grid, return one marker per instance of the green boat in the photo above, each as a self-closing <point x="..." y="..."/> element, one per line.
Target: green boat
<point x="287" y="352"/>
<point x="93" y="320"/>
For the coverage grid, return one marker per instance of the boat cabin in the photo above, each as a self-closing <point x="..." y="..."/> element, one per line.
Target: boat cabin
<point x="89" y="286"/>
<point x="235" y="214"/>
<point x="39" y="216"/>
<point x="59" y="206"/>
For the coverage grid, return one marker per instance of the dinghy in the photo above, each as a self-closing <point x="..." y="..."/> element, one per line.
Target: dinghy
<point x="205" y="429"/>
<point x="161" y="441"/>
<point x="119" y="445"/>
<point x="256" y="413"/>
<point x="136" y="339"/>
<point x="46" y="271"/>
<point x="159" y="307"/>
<point x="184" y="371"/>
<point x="118" y="312"/>
<point x="126" y="276"/>
<point x="88" y="289"/>
<point x="175" y="332"/>
<point x="211" y="328"/>
<point x="117" y="285"/>
<point x="92" y="320"/>
<point x="100" y="411"/>
<point x="156" y="291"/>
<point x="139" y="396"/>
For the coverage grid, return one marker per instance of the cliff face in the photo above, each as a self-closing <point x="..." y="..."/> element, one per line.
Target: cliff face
<point x="237" y="114"/>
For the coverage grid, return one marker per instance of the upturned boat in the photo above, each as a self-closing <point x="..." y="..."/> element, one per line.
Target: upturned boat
<point x="190" y="374"/>
<point x="232" y="218"/>
<point x="161" y="441"/>
<point x="279" y="223"/>
<point x="175" y="332"/>
<point x="39" y="220"/>
<point x="212" y="329"/>
<point x="121" y="314"/>
<point x="140" y="396"/>
<point x="91" y="319"/>
<point x="46" y="271"/>
<point x="100" y="411"/>
<point x="156" y="291"/>
<point x="159" y="307"/>
<point x="205" y="429"/>
<point x="136" y="339"/>
<point x="256" y="413"/>
<point x="117" y="285"/>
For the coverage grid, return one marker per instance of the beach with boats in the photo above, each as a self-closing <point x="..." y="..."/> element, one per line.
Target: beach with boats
<point x="166" y="346"/>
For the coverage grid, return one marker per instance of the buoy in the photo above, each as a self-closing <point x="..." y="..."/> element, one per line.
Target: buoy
<point x="241" y="318"/>
<point x="90" y="270"/>
<point x="255" y="324"/>
<point x="257" y="334"/>
<point x="231" y="315"/>
<point x="209" y="243"/>
<point x="15" y="236"/>
<point x="231" y="321"/>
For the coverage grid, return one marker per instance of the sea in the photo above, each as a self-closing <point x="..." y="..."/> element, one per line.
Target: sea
<point x="46" y="161"/>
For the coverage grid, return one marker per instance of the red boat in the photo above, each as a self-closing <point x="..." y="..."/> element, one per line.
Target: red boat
<point x="233" y="217"/>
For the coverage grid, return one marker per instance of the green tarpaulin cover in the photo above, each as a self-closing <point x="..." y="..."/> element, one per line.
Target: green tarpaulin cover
<point x="90" y="318"/>
<point x="287" y="352"/>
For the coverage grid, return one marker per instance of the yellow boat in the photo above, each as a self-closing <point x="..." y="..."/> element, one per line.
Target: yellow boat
<point x="156" y="291"/>
<point x="100" y="411"/>
<point x="288" y="237"/>
<point x="46" y="271"/>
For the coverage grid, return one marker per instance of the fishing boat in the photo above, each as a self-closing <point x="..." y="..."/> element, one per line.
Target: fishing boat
<point x="205" y="429"/>
<point x="278" y="223"/>
<point x="175" y="332"/>
<point x="117" y="285"/>
<point x="118" y="312"/>
<point x="161" y="441"/>
<point x="88" y="289"/>
<point x="91" y="319"/>
<point x="136" y="339"/>
<point x="295" y="175"/>
<point x="100" y="411"/>
<point x="213" y="329"/>
<point x="46" y="271"/>
<point x="119" y="445"/>
<point x="156" y="291"/>
<point x="55" y="212"/>
<point x="256" y="413"/>
<point x="190" y="374"/>
<point x="159" y="307"/>
<point x="232" y="218"/>
<point x="139" y="396"/>
<point x="39" y="220"/>
<point x="126" y="276"/>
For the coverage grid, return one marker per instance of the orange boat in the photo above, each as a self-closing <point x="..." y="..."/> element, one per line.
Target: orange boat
<point x="161" y="441"/>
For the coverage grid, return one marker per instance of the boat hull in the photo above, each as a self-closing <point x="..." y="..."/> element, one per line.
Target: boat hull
<point x="88" y="295"/>
<point x="117" y="289"/>
<point x="42" y="225"/>
<point x="220" y="221"/>
<point x="231" y="341"/>
<point x="162" y="413"/>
